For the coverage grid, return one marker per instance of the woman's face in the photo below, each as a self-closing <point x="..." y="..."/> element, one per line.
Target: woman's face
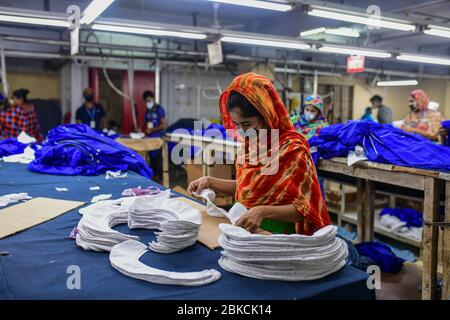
<point x="16" y="101"/>
<point x="412" y="103"/>
<point x="311" y="112"/>
<point x="246" y="123"/>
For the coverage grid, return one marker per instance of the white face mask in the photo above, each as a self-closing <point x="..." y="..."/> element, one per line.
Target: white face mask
<point x="150" y="104"/>
<point x="11" y="102"/>
<point x="310" y="116"/>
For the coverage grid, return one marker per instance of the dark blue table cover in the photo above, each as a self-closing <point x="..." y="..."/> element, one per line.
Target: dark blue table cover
<point x="36" y="267"/>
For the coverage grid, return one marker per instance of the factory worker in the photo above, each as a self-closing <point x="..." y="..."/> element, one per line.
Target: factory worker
<point x="312" y="119"/>
<point x="283" y="195"/>
<point x="19" y="116"/>
<point x="420" y="119"/>
<point x="91" y="113"/>
<point x="154" y="125"/>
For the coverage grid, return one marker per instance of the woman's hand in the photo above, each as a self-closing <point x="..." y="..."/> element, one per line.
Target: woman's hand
<point x="252" y="219"/>
<point x="198" y="185"/>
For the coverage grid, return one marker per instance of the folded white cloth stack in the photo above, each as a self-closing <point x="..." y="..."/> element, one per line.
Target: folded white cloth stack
<point x="282" y="257"/>
<point x="178" y="222"/>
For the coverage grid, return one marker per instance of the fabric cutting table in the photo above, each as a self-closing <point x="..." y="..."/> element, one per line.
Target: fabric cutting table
<point x="38" y="260"/>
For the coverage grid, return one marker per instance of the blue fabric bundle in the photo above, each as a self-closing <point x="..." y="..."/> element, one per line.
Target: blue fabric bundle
<point x="11" y="146"/>
<point x="381" y="255"/>
<point x="76" y="149"/>
<point x="382" y="143"/>
<point x="413" y="218"/>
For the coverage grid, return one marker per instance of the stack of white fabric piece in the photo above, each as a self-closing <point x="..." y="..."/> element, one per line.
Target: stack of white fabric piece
<point x="178" y="222"/>
<point x="125" y="258"/>
<point x="282" y="257"/>
<point x="94" y="228"/>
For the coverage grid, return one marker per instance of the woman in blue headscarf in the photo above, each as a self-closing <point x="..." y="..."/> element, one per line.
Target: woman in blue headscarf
<point x="312" y="120"/>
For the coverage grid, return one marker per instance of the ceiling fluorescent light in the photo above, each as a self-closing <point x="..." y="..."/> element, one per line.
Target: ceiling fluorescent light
<point x="361" y="19"/>
<point x="34" y="20"/>
<point x="424" y="59"/>
<point x="258" y="4"/>
<point x="312" y="32"/>
<point x="437" y="31"/>
<point x="346" y="32"/>
<point x="397" y="83"/>
<point x="265" y="43"/>
<point x="149" y="31"/>
<point x="94" y="10"/>
<point x="355" y="51"/>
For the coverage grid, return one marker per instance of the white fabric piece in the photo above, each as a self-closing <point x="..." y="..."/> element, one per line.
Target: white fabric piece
<point x="355" y="156"/>
<point x="124" y="257"/>
<point x="212" y="210"/>
<point x="395" y="225"/>
<point x="392" y="222"/>
<point x="115" y="175"/>
<point x="178" y="222"/>
<point x="137" y="135"/>
<point x="13" y="198"/>
<point x="282" y="257"/>
<point x="100" y="197"/>
<point x="25" y="138"/>
<point x="94" y="188"/>
<point x="61" y="189"/>
<point x="26" y="157"/>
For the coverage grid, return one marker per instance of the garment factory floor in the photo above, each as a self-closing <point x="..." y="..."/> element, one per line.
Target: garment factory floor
<point x="402" y="286"/>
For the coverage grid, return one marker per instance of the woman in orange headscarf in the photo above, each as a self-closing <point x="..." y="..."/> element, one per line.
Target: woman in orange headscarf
<point x="283" y="195"/>
<point x="420" y="119"/>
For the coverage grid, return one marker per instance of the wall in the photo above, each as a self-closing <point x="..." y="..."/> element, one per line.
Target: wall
<point x="41" y="85"/>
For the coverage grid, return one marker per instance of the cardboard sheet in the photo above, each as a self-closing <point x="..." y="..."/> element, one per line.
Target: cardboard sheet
<point x="209" y="230"/>
<point x="25" y="215"/>
<point x="142" y="145"/>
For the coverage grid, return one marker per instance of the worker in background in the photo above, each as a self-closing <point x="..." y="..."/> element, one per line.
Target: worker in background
<point x="367" y="116"/>
<point x="312" y="120"/>
<point x="384" y="112"/>
<point x="19" y="116"/>
<point x="91" y="113"/>
<point x="286" y="199"/>
<point x="154" y="125"/>
<point x="420" y="119"/>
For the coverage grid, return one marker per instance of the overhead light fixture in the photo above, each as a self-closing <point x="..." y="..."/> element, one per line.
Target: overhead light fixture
<point x="423" y="59"/>
<point x="360" y="18"/>
<point x="346" y="32"/>
<point x="265" y="42"/>
<point x="34" y="20"/>
<point x="149" y="31"/>
<point x="258" y="4"/>
<point x="437" y="31"/>
<point x="94" y="10"/>
<point x="395" y="83"/>
<point x="312" y="32"/>
<point x="355" y="51"/>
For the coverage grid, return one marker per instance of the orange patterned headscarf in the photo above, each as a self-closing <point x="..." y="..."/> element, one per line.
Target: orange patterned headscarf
<point x="296" y="181"/>
<point x="421" y="98"/>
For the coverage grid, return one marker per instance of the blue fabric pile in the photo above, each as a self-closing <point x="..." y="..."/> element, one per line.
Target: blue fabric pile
<point x="382" y="143"/>
<point x="11" y="146"/>
<point x="76" y="149"/>
<point x="381" y="255"/>
<point x="413" y="218"/>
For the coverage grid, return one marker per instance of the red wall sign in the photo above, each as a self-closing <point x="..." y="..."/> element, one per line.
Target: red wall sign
<point x="355" y="64"/>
